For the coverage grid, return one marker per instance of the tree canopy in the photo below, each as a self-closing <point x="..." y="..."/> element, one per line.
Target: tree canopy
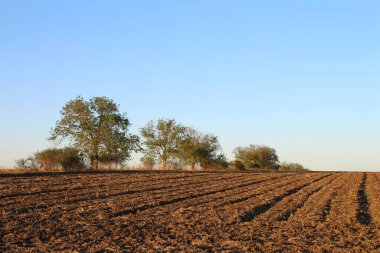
<point x="98" y="135"/>
<point x="55" y="158"/>
<point x="257" y="156"/>
<point x="97" y="129"/>
<point x="296" y="167"/>
<point x="162" y="139"/>
<point x="48" y="158"/>
<point x="198" y="149"/>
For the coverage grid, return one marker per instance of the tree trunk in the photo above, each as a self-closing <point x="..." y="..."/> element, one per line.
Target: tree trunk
<point x="95" y="164"/>
<point x="164" y="164"/>
<point x="96" y="155"/>
<point x="193" y="165"/>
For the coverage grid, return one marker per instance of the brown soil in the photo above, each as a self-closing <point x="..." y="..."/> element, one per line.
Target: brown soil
<point x="190" y="212"/>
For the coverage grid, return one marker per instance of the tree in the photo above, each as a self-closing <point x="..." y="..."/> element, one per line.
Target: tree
<point x="218" y="162"/>
<point x="197" y="148"/>
<point x="162" y="139"/>
<point x="71" y="158"/>
<point x="21" y="163"/>
<point x="97" y="129"/>
<point x="148" y="161"/>
<point x="53" y="158"/>
<point x="238" y="165"/>
<point x="48" y="158"/>
<point x="255" y="156"/>
<point x="27" y="163"/>
<point x="117" y="149"/>
<point x="285" y="166"/>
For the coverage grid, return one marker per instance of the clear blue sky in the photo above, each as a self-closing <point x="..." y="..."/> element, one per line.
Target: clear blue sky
<point x="300" y="76"/>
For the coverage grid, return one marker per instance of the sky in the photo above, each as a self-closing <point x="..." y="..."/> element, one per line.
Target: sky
<point x="302" y="77"/>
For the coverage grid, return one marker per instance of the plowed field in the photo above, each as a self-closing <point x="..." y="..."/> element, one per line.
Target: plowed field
<point x="190" y="212"/>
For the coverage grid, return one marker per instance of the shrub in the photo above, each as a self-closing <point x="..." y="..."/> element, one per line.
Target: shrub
<point x="27" y="163"/>
<point x="70" y="158"/>
<point x="238" y="165"/>
<point x="292" y="167"/>
<point x="56" y="158"/>
<point x="257" y="157"/>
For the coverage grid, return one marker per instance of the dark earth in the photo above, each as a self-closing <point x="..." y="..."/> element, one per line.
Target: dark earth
<point x="190" y="212"/>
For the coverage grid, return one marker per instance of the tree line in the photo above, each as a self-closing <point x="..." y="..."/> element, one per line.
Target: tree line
<point x="98" y="136"/>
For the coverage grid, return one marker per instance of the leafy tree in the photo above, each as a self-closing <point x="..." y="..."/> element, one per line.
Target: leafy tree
<point x="71" y="158"/>
<point x="54" y="158"/>
<point x="285" y="166"/>
<point x="255" y="156"/>
<point x="174" y="164"/>
<point x="148" y="161"/>
<point x="49" y="158"/>
<point x="117" y="149"/>
<point x="197" y="148"/>
<point x="218" y="162"/>
<point x="236" y="164"/>
<point x="162" y="139"/>
<point x="97" y="129"/>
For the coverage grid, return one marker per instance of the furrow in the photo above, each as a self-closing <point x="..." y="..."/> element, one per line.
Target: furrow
<point x="191" y="196"/>
<point x="302" y="199"/>
<point x="327" y="206"/>
<point x="107" y="195"/>
<point x="257" y="193"/>
<point x="260" y="209"/>
<point x="113" y="183"/>
<point x="373" y="194"/>
<point x="363" y="215"/>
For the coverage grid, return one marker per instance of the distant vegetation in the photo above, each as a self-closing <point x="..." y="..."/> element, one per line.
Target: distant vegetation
<point x="98" y="136"/>
<point x="66" y="158"/>
<point x="167" y="141"/>
<point x="98" y="130"/>
<point x="292" y="167"/>
<point x="256" y="157"/>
